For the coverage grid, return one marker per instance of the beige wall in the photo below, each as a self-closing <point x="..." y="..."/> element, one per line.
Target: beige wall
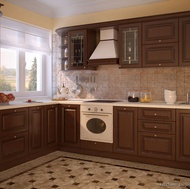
<point x="167" y="6"/>
<point x="23" y="15"/>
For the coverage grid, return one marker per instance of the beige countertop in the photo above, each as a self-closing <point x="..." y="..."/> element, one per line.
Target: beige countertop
<point x="22" y="104"/>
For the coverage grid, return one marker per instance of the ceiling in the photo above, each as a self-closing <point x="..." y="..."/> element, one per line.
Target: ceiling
<point x="63" y="8"/>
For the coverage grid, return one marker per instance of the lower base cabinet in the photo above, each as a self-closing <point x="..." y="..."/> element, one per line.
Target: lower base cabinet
<point x="125" y="130"/>
<point x="51" y="126"/>
<point x="183" y="135"/>
<point x="36" y="129"/>
<point x="70" y="125"/>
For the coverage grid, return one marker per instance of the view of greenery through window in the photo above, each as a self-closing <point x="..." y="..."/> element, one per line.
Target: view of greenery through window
<point x="9" y="71"/>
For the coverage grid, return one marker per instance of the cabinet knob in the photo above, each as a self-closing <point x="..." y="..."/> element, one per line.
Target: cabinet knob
<point x="14" y="110"/>
<point x="159" y="64"/>
<point x="155" y="114"/>
<point x="160" y="41"/>
<point x="14" y="136"/>
<point x="95" y="143"/>
<point x="155" y="136"/>
<point x="125" y="108"/>
<point x="52" y="106"/>
<point x="155" y="126"/>
<point x="69" y="106"/>
<point x="37" y="108"/>
<point x="84" y="67"/>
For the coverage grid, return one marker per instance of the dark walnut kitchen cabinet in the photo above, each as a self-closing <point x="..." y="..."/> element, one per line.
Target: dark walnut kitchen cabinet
<point x="70" y="125"/>
<point x="160" y="43"/>
<point x="183" y="139"/>
<point x="36" y="129"/>
<point x="125" y="130"/>
<point x="51" y="126"/>
<point x="184" y="41"/>
<point x="130" y="45"/>
<point x="156" y="133"/>
<point x="77" y="47"/>
<point x="13" y="136"/>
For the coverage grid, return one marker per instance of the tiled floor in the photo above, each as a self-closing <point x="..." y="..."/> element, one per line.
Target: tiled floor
<point x="61" y="170"/>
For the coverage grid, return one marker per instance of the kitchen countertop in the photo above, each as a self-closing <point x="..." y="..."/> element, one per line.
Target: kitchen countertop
<point x="21" y="104"/>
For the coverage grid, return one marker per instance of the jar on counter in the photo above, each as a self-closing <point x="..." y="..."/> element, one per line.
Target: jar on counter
<point x="145" y="96"/>
<point x="133" y="96"/>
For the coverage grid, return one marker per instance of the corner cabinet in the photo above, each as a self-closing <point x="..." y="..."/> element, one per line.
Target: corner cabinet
<point x="160" y="43"/>
<point x="183" y="139"/>
<point x="70" y="125"/>
<point x="130" y="45"/>
<point x="184" y="42"/>
<point x="125" y="130"/>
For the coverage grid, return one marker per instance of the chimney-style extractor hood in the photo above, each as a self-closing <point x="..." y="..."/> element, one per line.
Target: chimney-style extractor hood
<point x="107" y="50"/>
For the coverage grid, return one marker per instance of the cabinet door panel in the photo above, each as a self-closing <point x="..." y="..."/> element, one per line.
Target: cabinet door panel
<point x="36" y="125"/>
<point x="160" y="55"/>
<point x="184" y="41"/>
<point x="156" y="145"/>
<point x="13" y="147"/>
<point x="183" y="139"/>
<point x="160" y="31"/>
<point x="125" y="130"/>
<point x="13" y="121"/>
<point x="51" y="130"/>
<point x="70" y="125"/>
<point x="130" y="44"/>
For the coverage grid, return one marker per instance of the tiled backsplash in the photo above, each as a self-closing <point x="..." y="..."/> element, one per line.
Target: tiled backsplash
<point x="114" y="83"/>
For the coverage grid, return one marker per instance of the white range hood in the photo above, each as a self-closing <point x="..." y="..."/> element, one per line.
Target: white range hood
<point x="107" y="48"/>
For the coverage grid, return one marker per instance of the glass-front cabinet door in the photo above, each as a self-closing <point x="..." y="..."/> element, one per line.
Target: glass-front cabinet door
<point x="130" y="45"/>
<point x="77" y="46"/>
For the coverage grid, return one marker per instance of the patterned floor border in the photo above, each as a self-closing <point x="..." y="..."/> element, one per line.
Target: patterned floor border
<point x="18" y="170"/>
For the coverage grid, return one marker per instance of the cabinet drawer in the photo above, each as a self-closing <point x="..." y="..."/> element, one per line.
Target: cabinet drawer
<point x="152" y="126"/>
<point x="97" y="146"/>
<point x="153" y="145"/>
<point x="13" y="147"/>
<point x="13" y="121"/>
<point x="156" y="114"/>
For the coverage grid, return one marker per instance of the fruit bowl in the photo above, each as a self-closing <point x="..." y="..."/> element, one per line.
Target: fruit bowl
<point x="6" y="98"/>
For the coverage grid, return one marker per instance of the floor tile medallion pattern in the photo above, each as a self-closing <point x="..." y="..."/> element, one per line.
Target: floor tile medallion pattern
<point x="67" y="172"/>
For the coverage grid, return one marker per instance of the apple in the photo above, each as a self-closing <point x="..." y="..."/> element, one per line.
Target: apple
<point x="29" y="100"/>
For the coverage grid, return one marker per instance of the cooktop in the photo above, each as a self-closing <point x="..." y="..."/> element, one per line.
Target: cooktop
<point x="103" y="101"/>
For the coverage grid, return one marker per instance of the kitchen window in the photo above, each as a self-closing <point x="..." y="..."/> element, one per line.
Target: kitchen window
<point x="25" y="66"/>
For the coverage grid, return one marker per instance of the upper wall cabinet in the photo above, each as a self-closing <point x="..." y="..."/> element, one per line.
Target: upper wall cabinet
<point x="160" y="43"/>
<point x="184" y="41"/>
<point x="77" y="46"/>
<point x="161" y="31"/>
<point x="130" y="45"/>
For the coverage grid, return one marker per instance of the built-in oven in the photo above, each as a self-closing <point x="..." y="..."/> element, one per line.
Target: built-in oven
<point x="96" y="123"/>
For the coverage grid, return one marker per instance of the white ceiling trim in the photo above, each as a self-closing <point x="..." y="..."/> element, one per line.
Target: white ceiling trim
<point x="63" y="8"/>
